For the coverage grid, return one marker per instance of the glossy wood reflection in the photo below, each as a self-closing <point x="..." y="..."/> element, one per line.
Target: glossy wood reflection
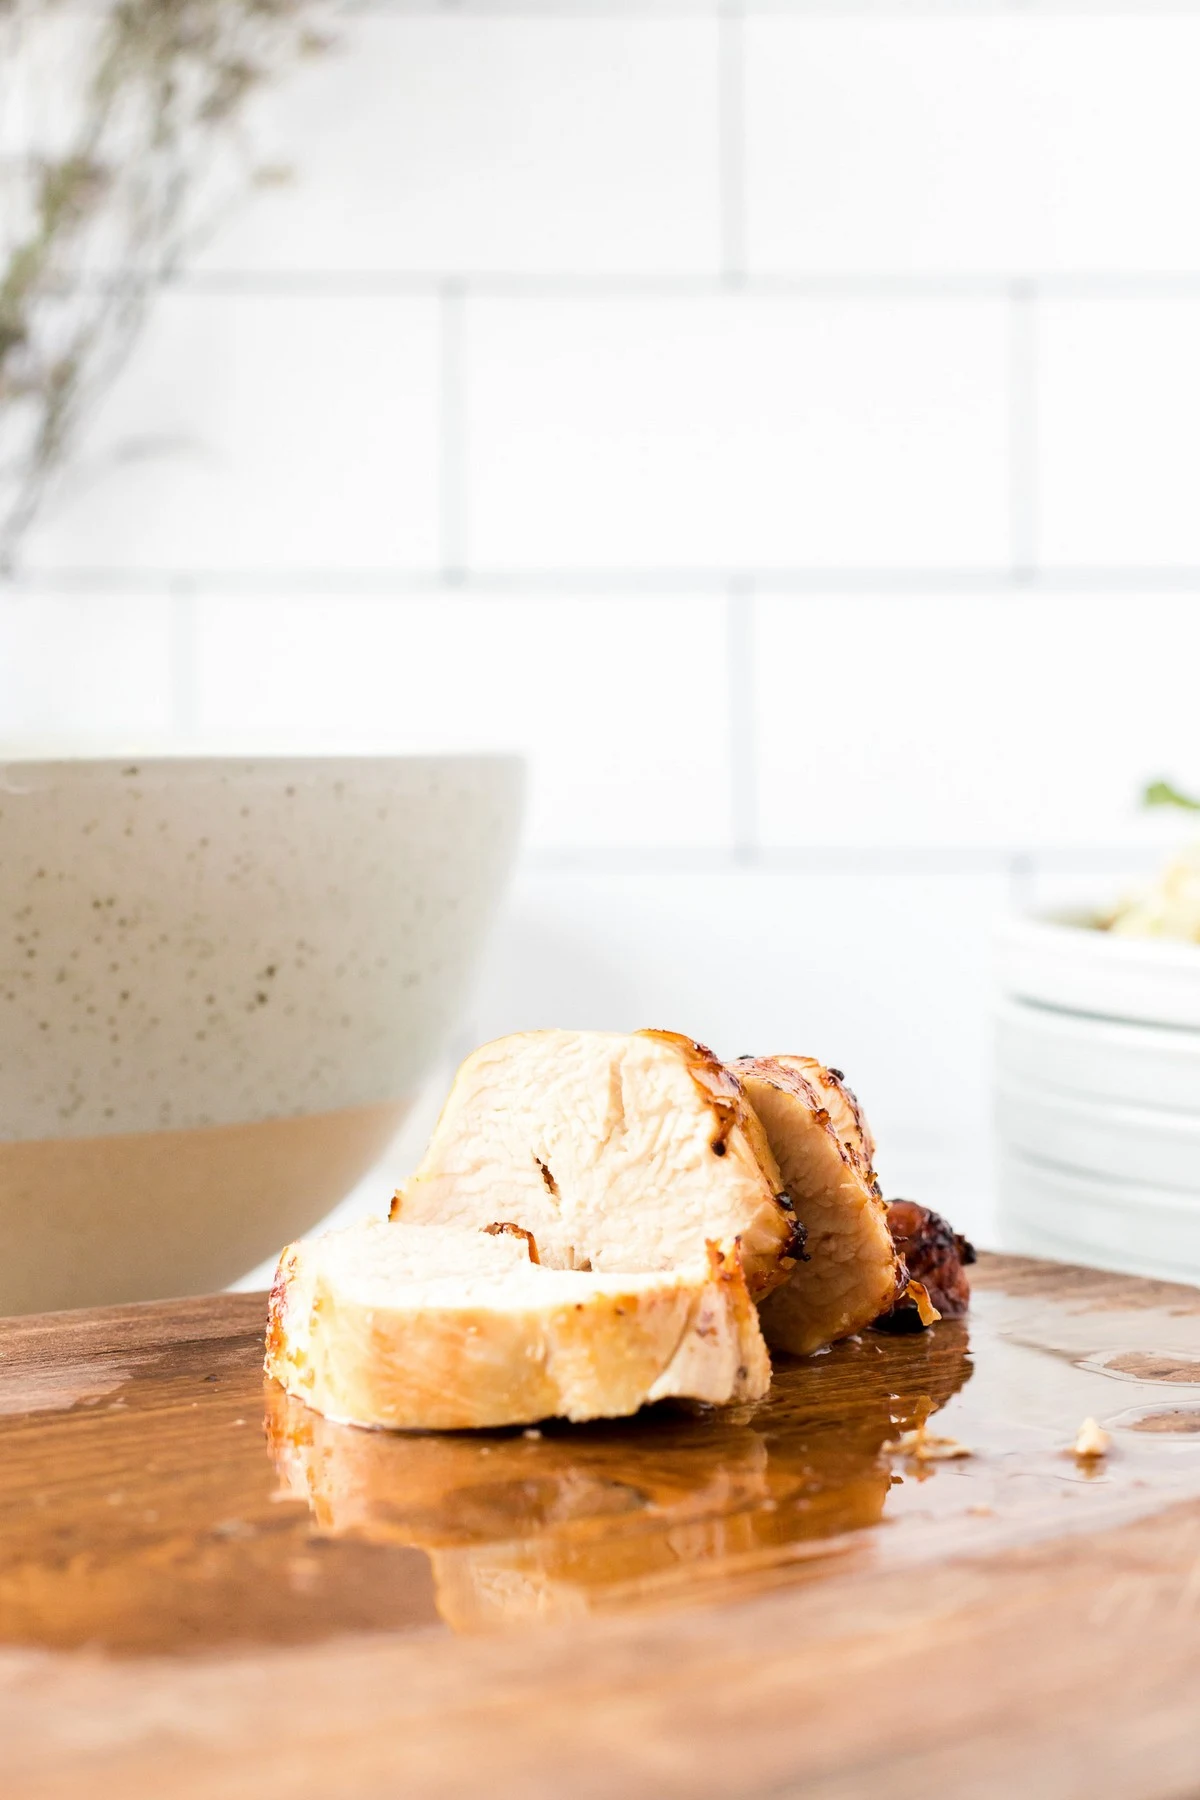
<point x="568" y="1519"/>
<point x="137" y="1508"/>
<point x="206" y="1591"/>
<point x="157" y="1494"/>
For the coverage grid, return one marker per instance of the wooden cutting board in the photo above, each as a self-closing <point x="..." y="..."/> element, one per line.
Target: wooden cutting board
<point x="207" y="1591"/>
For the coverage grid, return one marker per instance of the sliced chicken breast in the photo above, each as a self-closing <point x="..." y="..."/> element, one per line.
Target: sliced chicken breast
<point x="442" y="1329"/>
<point x="841" y="1103"/>
<point x="851" y="1269"/>
<point x="618" y="1152"/>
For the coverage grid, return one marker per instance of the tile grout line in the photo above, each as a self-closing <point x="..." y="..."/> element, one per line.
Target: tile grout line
<point x="1022" y="869"/>
<point x="895" y="584"/>
<point x="452" y="503"/>
<point x="1091" y="286"/>
<point x="1017" y="867"/>
<point x="743" y="737"/>
<point x="1023" y="460"/>
<point x="731" y="140"/>
<point x="692" y="9"/>
<point x="703" y="9"/>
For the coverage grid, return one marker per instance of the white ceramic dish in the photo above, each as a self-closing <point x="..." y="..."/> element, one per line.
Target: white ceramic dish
<point x="1098" y="1096"/>
<point x="1099" y="1059"/>
<point x="221" y="982"/>
<point x="1061" y="962"/>
<point x="1147" y="1146"/>
<point x="1107" y="1223"/>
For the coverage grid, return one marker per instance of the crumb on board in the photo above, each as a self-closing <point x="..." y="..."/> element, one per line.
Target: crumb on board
<point x="923" y="1445"/>
<point x="532" y="1433"/>
<point x="1091" y="1440"/>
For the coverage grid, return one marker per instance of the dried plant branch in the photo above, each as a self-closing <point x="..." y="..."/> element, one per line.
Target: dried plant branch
<point x="105" y="214"/>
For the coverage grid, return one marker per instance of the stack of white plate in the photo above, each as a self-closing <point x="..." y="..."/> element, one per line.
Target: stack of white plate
<point x="1098" y="1097"/>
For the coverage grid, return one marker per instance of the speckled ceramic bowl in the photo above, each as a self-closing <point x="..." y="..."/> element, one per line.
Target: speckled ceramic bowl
<point x="220" y="984"/>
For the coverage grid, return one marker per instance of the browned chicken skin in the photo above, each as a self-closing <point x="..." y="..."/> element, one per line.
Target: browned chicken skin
<point x="936" y="1256"/>
<point x="819" y="1138"/>
<point x="896" y="1264"/>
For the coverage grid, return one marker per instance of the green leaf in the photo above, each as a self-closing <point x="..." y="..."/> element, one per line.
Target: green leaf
<point x="1161" y="793"/>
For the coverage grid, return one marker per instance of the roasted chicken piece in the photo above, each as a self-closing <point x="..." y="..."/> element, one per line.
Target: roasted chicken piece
<point x="850" y="1272"/>
<point x="618" y="1152"/>
<point x="841" y="1103"/>
<point x="440" y="1328"/>
<point x="935" y="1255"/>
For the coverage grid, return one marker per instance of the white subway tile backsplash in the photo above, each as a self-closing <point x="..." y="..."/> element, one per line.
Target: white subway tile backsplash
<point x="88" y="671"/>
<point x="598" y="395"/>
<point x="743" y="432"/>
<point x="879" y="144"/>
<point x="451" y="144"/>
<point x="889" y="978"/>
<point x="618" y="701"/>
<point x="1119" y="432"/>
<point x="958" y="144"/>
<point x="972" y="720"/>
<point x="258" y="433"/>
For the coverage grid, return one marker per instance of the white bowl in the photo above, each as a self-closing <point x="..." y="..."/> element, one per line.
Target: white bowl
<point x="1063" y="962"/>
<point x="1100" y="1059"/>
<point x="1098" y="1096"/>
<point x="1093" y="1219"/>
<point x="1147" y="1146"/>
<point x="221" y="982"/>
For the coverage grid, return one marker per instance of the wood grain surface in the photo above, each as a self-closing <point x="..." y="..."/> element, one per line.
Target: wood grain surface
<point x="207" y="1591"/>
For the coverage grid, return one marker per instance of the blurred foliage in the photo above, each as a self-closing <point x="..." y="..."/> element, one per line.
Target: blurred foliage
<point x="1161" y="793"/>
<point x="139" y="145"/>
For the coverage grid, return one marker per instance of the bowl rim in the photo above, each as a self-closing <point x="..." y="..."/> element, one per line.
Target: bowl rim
<point x="1041" y="1016"/>
<point x="1072" y="932"/>
<point x="1108" y="1190"/>
<point x="1099" y="1109"/>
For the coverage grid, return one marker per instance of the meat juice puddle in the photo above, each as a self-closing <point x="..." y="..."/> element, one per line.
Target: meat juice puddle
<point x="193" y="1507"/>
<point x="1037" y="1374"/>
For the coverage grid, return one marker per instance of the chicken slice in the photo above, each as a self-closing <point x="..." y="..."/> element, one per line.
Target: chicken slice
<point x="851" y="1271"/>
<point x="618" y="1152"/>
<point x="841" y="1103"/>
<point x="439" y="1328"/>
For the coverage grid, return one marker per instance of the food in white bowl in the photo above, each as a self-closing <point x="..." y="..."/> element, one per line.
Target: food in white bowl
<point x="1098" y="1076"/>
<point x="1135" y="959"/>
<point x="588" y="1231"/>
<point x="1065" y="961"/>
<point x="224" y="980"/>
<point x="1169" y="906"/>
